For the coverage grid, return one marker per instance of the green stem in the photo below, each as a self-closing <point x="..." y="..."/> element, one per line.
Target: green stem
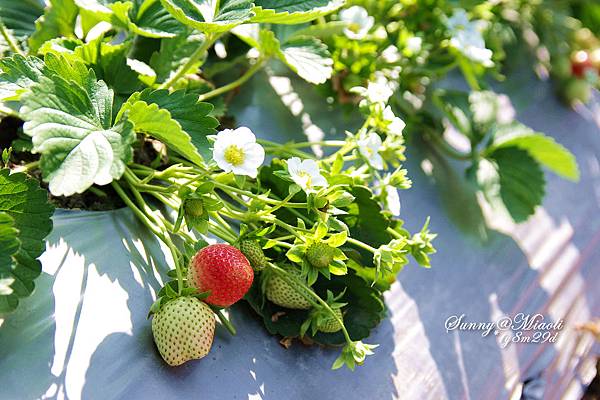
<point x="291" y="229"/>
<point x="133" y="180"/>
<point x="394" y="233"/>
<point x="222" y="234"/>
<point x="160" y="223"/>
<point x="97" y="192"/>
<point x="232" y="85"/>
<point x="224" y="224"/>
<point x="209" y="39"/>
<point x="299" y="145"/>
<point x="31" y="165"/>
<point x="284" y="244"/>
<point x="225" y="321"/>
<point x="228" y="189"/>
<point x="142" y="217"/>
<point x="277" y="207"/>
<point x="8" y="38"/>
<point x="468" y="74"/>
<point x="361" y="245"/>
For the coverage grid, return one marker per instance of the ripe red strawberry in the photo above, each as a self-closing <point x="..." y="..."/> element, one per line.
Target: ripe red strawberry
<point x="224" y="271"/>
<point x="183" y="330"/>
<point x="581" y="63"/>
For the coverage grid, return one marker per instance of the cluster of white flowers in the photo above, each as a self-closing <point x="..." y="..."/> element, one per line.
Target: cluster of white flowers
<point x="392" y="197"/>
<point x="358" y="22"/>
<point x="395" y="125"/>
<point x="236" y="150"/>
<point x="467" y="38"/>
<point x="369" y="145"/>
<point x="489" y="107"/>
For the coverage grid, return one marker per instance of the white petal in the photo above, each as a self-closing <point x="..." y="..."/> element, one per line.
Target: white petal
<point x="294" y="165"/>
<point x="393" y="200"/>
<point x="244" y="135"/>
<point x="376" y="161"/>
<point x="301" y="180"/>
<point x="319" y="181"/>
<point x="245" y="169"/>
<point x="311" y="167"/>
<point x="223" y="164"/>
<point x="254" y="154"/>
<point x="226" y="135"/>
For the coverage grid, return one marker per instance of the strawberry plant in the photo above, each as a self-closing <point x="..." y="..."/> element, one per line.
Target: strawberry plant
<point x="127" y="101"/>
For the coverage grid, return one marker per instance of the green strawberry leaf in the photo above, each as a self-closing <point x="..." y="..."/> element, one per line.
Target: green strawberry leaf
<point x="69" y="119"/>
<point x="262" y="39"/>
<point x="24" y="223"/>
<point x="109" y="61"/>
<point x="19" y="18"/>
<point x="542" y="148"/>
<point x="18" y="75"/>
<point x="293" y="11"/>
<point x="322" y="31"/>
<point x="177" y="119"/>
<point x="306" y="56"/>
<point x="174" y="52"/>
<point x="309" y="58"/>
<point x="58" y="20"/>
<point x="145" y="18"/>
<point x="210" y="16"/>
<point x="516" y="179"/>
<point x="365" y="220"/>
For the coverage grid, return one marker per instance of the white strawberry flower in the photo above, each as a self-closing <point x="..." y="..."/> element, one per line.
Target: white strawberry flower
<point x="369" y="146"/>
<point x="392" y="199"/>
<point x="395" y="124"/>
<point x="379" y="91"/>
<point x="236" y="150"/>
<point x="467" y="38"/>
<point x="306" y="173"/>
<point x="414" y="44"/>
<point x="359" y="22"/>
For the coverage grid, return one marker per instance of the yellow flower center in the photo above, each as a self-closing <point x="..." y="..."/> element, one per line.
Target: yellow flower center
<point x="304" y="174"/>
<point x="354" y="27"/>
<point x="234" y="155"/>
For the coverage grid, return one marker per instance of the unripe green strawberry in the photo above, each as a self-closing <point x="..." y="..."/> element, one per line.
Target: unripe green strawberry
<point x="330" y="324"/>
<point x="281" y="293"/>
<point x="194" y="207"/>
<point x="183" y="330"/>
<point x="319" y="255"/>
<point x="577" y="90"/>
<point x="254" y="253"/>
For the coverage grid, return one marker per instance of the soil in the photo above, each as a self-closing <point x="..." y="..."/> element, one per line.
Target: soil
<point x="99" y="198"/>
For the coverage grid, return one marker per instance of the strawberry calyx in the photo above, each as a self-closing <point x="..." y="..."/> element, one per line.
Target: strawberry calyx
<point x="319" y="255"/>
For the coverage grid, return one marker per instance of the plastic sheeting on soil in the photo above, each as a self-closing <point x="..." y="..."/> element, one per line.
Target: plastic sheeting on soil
<point x="84" y="332"/>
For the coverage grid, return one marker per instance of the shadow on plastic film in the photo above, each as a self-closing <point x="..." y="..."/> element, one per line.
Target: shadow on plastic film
<point x="88" y="273"/>
<point x="287" y="109"/>
<point x="27" y="346"/>
<point x="467" y="275"/>
<point x="569" y="267"/>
